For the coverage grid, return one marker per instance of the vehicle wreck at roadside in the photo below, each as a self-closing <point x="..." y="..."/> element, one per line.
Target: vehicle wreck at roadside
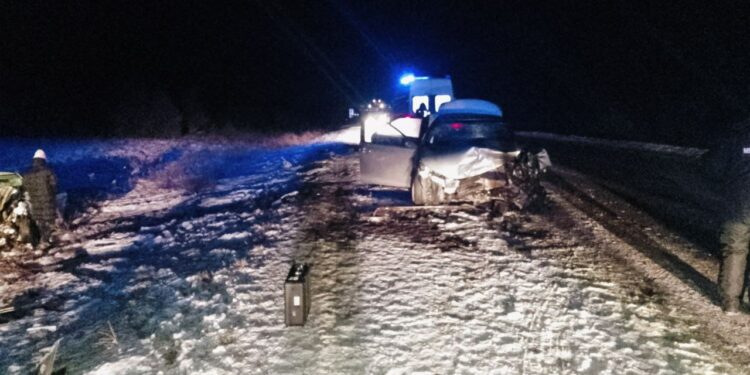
<point x="463" y="154"/>
<point x="481" y="175"/>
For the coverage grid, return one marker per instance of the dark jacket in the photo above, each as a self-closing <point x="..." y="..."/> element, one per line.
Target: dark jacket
<point x="41" y="185"/>
<point x="728" y="164"/>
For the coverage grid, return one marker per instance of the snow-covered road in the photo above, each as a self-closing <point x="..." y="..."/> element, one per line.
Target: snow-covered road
<point x="188" y="271"/>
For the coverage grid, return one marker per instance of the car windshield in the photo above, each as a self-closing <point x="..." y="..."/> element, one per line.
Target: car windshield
<point x="491" y="133"/>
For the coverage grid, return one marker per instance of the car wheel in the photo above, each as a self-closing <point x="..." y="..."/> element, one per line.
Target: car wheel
<point x="526" y="175"/>
<point x="417" y="191"/>
<point x="424" y="192"/>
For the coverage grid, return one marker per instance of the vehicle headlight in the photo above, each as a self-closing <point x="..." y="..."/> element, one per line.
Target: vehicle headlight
<point x="371" y="122"/>
<point x="377" y="119"/>
<point x="378" y="123"/>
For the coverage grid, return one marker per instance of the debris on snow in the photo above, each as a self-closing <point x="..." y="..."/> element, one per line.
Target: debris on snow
<point x="47" y="364"/>
<point x="190" y="279"/>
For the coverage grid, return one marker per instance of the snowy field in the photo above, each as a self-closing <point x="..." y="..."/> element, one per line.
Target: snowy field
<point x="180" y="271"/>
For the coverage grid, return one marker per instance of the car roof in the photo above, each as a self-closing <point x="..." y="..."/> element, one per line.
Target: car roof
<point x="470" y="107"/>
<point x="431" y="86"/>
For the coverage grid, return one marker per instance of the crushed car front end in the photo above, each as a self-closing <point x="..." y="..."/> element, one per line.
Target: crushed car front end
<point x="479" y="175"/>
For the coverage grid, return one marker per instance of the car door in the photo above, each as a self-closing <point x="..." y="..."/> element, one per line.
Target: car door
<point x="387" y="157"/>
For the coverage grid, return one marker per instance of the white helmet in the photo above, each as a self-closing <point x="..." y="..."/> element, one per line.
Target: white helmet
<point x="39" y="154"/>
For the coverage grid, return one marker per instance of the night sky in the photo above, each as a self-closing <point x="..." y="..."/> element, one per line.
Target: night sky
<point x="676" y="73"/>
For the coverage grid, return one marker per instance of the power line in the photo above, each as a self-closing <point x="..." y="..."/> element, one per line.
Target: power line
<point x="308" y="47"/>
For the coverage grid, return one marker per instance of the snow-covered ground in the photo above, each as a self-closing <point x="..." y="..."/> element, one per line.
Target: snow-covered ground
<point x="183" y="273"/>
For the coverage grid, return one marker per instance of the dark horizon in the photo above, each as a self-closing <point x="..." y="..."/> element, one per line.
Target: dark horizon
<point x="652" y="72"/>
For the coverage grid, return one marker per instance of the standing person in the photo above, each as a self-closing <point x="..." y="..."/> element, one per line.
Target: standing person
<point x="730" y="165"/>
<point x="421" y="111"/>
<point x="41" y="185"/>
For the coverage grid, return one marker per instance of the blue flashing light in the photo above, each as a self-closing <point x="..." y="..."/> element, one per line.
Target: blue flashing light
<point x="407" y="79"/>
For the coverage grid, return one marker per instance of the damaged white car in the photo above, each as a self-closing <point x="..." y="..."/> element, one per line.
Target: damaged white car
<point x="466" y="153"/>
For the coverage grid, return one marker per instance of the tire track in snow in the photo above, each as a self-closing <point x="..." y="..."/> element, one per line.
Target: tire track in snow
<point x="673" y="268"/>
<point x="144" y="259"/>
<point x="449" y="290"/>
